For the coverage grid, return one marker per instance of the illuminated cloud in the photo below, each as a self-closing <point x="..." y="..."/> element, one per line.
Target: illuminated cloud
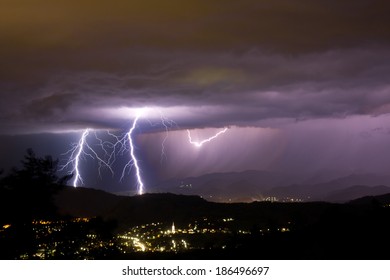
<point x="250" y="61"/>
<point x="240" y="90"/>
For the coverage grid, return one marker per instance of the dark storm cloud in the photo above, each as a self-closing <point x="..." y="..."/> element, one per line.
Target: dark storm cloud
<point x="220" y="89"/>
<point x="222" y="62"/>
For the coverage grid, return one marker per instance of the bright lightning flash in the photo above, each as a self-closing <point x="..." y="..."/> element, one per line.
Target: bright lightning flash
<point x="120" y="145"/>
<point x="82" y="148"/>
<point x="200" y="143"/>
<point x="133" y="157"/>
<point x="121" y="142"/>
<point x="134" y="162"/>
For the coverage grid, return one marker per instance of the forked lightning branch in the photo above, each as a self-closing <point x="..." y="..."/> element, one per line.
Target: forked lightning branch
<point x="119" y="145"/>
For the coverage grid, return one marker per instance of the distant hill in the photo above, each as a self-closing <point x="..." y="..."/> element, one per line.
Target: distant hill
<point x="355" y="192"/>
<point x="147" y="208"/>
<point x="237" y="186"/>
<point x="381" y="199"/>
<point x="194" y="196"/>
<point x="254" y="185"/>
<point x="84" y="202"/>
<point x="327" y="191"/>
<point x="128" y="210"/>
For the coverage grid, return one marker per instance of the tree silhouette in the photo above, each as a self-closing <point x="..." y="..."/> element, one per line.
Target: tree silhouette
<point x="27" y="192"/>
<point x="36" y="172"/>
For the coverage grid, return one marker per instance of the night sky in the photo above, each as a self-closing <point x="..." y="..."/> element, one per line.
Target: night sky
<point x="304" y="86"/>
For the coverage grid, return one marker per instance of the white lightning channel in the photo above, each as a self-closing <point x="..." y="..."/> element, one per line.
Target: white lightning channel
<point x="200" y="143"/>
<point x="82" y="148"/>
<point x="134" y="161"/>
<point x="77" y="158"/>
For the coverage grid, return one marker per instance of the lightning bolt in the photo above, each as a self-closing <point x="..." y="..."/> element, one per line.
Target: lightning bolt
<point x="200" y="143"/>
<point x="118" y="146"/>
<point x="166" y="123"/>
<point x="134" y="158"/>
<point x="79" y="150"/>
<point x="111" y="148"/>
